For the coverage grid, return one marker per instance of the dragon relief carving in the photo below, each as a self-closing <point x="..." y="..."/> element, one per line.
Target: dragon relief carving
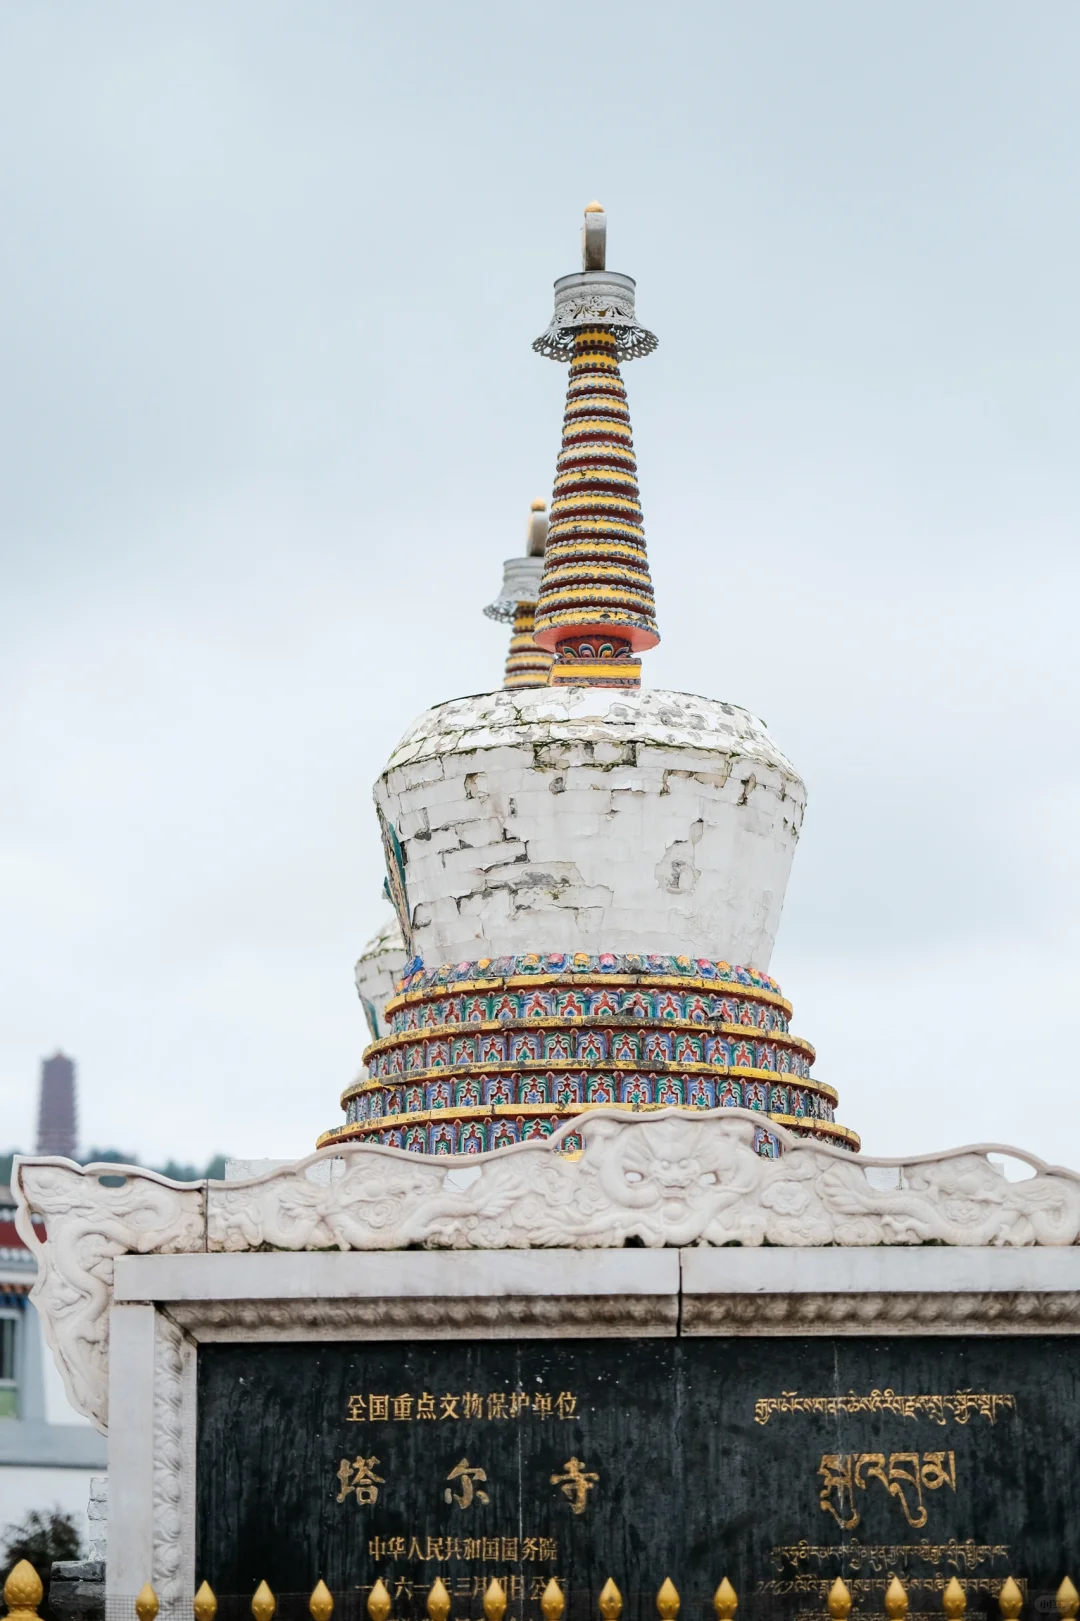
<point x="88" y="1223"/>
<point x="669" y="1178"/>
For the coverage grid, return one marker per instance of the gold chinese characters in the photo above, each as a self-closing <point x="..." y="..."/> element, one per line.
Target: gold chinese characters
<point x="359" y="1477"/>
<point x="409" y="1407"/>
<point x="466" y="1483"/>
<point x="575" y="1483"/>
<point x="468" y="1487"/>
<point x="512" y="1550"/>
<point x="465" y="1586"/>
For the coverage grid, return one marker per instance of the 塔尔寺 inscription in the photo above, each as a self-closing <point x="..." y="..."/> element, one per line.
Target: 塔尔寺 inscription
<point x="782" y="1463"/>
<point x="466" y="1485"/>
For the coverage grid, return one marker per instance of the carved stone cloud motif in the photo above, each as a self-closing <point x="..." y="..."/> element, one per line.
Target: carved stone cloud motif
<point x="671" y="1178"/>
<point x="88" y="1223"/>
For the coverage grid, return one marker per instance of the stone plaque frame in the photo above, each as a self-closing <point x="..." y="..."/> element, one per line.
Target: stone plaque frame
<point x="164" y="1306"/>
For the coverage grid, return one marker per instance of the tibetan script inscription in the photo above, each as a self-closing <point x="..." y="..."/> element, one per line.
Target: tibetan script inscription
<point x="960" y="1406"/>
<point x="779" y="1462"/>
<point x="958" y="1557"/>
<point x="904" y="1476"/>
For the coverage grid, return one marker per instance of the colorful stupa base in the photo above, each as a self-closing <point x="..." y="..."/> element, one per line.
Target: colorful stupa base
<point x="484" y="1054"/>
<point x="595" y="661"/>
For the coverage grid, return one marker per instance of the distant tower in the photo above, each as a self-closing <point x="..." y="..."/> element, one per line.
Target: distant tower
<point x="56" y="1107"/>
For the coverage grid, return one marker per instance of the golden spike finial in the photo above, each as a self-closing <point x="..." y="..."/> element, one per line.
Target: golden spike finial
<point x="953" y="1601"/>
<point x="321" y="1602"/>
<point x="552" y="1603"/>
<point x="610" y="1601"/>
<point x="1068" y="1600"/>
<point x="667" y="1600"/>
<point x="538" y="505"/>
<point x="839" y="1599"/>
<point x="1010" y="1599"/>
<point x="378" y="1604"/>
<point x="896" y="1600"/>
<point x="494" y="1600"/>
<point x="594" y="207"/>
<point x="263" y="1604"/>
<point x="725" y="1601"/>
<point x="204" y="1604"/>
<point x="438" y="1601"/>
<point x="146" y="1604"/>
<point x="23" y="1591"/>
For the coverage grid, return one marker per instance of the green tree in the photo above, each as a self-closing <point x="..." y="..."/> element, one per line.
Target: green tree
<point x="41" y="1538"/>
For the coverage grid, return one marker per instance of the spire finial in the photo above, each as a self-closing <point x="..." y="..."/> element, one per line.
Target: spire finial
<point x="594" y="238"/>
<point x="595" y="609"/>
<point x="595" y="296"/>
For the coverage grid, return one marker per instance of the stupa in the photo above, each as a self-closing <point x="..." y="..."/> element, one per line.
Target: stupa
<point x="640" y="1350"/>
<point x="587" y="875"/>
<point x="527" y="664"/>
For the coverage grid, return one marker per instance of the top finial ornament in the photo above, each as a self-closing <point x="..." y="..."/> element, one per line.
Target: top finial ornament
<point x="595" y="297"/>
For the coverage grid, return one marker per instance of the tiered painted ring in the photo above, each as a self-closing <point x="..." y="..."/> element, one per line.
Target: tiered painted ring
<point x="482" y="1054"/>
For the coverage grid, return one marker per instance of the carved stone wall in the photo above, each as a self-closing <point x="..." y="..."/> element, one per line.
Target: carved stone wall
<point x="669" y="1179"/>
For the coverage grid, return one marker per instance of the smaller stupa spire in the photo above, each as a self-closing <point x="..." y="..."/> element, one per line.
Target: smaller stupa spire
<point x="526" y="664"/>
<point x="595" y="610"/>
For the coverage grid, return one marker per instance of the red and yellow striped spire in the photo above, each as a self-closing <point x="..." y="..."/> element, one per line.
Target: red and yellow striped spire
<point x="596" y="611"/>
<point x="526" y="664"/>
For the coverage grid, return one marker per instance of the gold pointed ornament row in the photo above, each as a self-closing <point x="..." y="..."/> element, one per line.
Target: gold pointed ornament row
<point x="953" y="1600"/>
<point x="23" y="1592"/>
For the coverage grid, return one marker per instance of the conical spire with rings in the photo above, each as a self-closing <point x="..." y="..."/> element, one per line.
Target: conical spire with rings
<point x="595" y="610"/>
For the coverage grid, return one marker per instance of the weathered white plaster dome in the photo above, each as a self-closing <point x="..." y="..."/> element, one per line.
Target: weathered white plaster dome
<point x="589" y="819"/>
<point x="377" y="971"/>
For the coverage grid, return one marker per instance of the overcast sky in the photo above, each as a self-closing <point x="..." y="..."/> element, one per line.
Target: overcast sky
<point x="270" y="422"/>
